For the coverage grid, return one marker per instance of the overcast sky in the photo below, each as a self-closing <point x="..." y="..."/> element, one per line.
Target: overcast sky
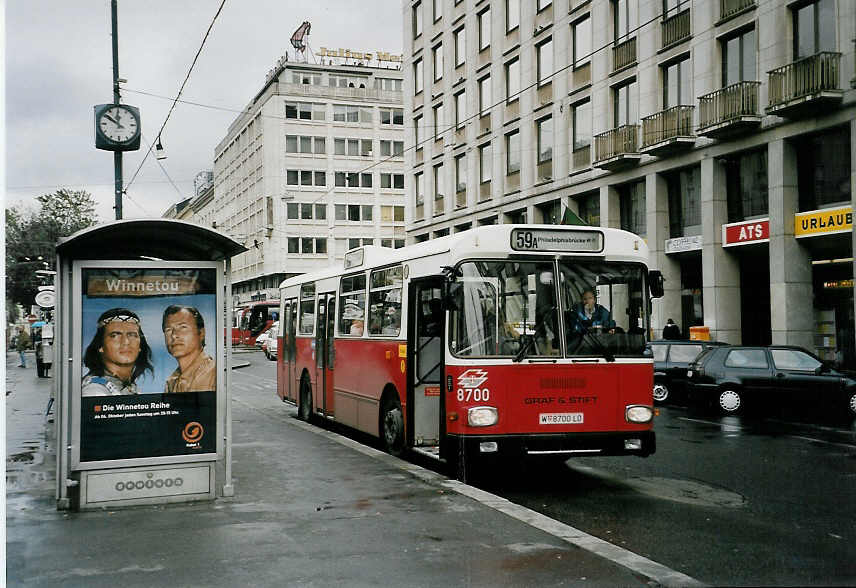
<point x="59" y="65"/>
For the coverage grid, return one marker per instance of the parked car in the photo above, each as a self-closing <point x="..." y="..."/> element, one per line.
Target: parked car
<point x="260" y="340"/>
<point x="271" y="346"/>
<point x="671" y="360"/>
<point x="735" y="378"/>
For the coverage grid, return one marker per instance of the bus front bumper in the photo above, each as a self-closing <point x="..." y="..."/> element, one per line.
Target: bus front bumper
<point x="641" y="443"/>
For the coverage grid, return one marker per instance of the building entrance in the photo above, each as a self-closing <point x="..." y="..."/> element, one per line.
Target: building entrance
<point x="755" y="328"/>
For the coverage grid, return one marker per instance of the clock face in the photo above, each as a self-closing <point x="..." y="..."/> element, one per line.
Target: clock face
<point x="118" y="124"/>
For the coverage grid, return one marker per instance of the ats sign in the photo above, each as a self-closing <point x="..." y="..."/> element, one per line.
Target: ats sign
<point x="744" y="233"/>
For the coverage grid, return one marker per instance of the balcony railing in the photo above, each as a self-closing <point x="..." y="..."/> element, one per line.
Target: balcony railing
<point x="619" y="141"/>
<point x="676" y="28"/>
<point x="581" y="157"/>
<point x="461" y="198"/>
<point x="807" y="76"/>
<point x="730" y="103"/>
<point x="419" y="211"/>
<point x="731" y="7"/>
<point x="667" y="124"/>
<point x="624" y="54"/>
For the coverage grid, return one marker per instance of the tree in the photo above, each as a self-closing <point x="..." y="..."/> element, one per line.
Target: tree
<point x="31" y="238"/>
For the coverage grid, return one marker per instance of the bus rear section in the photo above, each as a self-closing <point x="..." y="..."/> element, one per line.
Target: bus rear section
<point x="546" y="357"/>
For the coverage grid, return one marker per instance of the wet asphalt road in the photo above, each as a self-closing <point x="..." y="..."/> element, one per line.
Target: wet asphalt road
<point x="729" y="501"/>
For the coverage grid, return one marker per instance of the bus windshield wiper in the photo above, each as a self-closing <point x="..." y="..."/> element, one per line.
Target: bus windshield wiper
<point x="595" y="342"/>
<point x="526" y="341"/>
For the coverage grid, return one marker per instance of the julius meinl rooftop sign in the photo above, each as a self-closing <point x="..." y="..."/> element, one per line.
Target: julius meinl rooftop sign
<point x="348" y="54"/>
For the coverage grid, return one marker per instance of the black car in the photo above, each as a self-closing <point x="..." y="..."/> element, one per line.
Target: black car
<point x="768" y="378"/>
<point x="671" y="360"/>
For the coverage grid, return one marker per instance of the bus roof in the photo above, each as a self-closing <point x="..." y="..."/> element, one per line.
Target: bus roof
<point x="489" y="241"/>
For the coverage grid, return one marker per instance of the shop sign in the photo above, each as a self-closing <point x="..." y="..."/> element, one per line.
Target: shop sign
<point x="681" y="244"/>
<point x="838" y="285"/>
<point x="368" y="56"/>
<point x="746" y="232"/>
<point x="823" y="222"/>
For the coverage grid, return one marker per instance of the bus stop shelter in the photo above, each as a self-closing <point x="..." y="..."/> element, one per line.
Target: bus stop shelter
<point x="143" y="364"/>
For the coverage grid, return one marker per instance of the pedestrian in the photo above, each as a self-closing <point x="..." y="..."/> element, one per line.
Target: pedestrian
<point x="671" y="330"/>
<point x="21" y="346"/>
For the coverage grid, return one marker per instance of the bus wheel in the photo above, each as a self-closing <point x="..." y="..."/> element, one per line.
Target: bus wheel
<point x="392" y="426"/>
<point x="304" y="409"/>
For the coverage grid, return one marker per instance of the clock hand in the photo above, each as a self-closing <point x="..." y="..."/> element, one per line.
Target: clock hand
<point x="111" y="119"/>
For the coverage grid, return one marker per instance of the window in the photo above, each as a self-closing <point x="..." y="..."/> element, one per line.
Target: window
<point x="823" y="168"/>
<point x="438" y="121"/>
<point x="738" y="59"/>
<point x="485" y="95"/>
<point x="305" y="111"/>
<point x="419" y="183"/>
<point x="294" y="245"/>
<point x="791" y="359"/>
<point x="388" y="84"/>
<point x="625" y="104"/>
<point x="417" y="76"/>
<point x="625" y="15"/>
<point x="292" y="177"/>
<point x="460" y="46"/>
<point x="684" y="189"/>
<point x="460" y="109"/>
<point x="484" y="29"/>
<point x="672" y="7"/>
<point x="512" y="152"/>
<point x="545" y="62"/>
<point x="746" y="358"/>
<point x="392" y="214"/>
<point x="588" y="206"/>
<point x="677" y="84"/>
<point x="392" y="181"/>
<point x="417" y="19"/>
<point x="352" y="305"/>
<point x="320" y="178"/>
<point x="366" y="179"/>
<point x="512" y="15"/>
<point x="746" y="185"/>
<point x="343" y="81"/>
<point x="437" y="59"/>
<point x="581" y="35"/>
<point x="385" y="288"/>
<point x="418" y="132"/>
<point x="321" y="245"/>
<point x="320" y="212"/>
<point x="485" y="163"/>
<point x="306" y="211"/>
<point x="544" y="128"/>
<point x="307" y="309"/>
<point x="352" y="114"/>
<point x="814" y="28"/>
<point x="307" y="245"/>
<point x="391" y="148"/>
<point x="292" y="209"/>
<point x="366" y="147"/>
<point x="461" y="173"/>
<point x="302" y="144"/>
<point x="392" y="116"/>
<point x="352" y="180"/>
<point x="309" y="78"/>
<point x="438" y="182"/>
<point x="632" y="208"/>
<point x="582" y="125"/>
<point x="353" y="212"/>
<point x="295" y="177"/>
<point x="512" y="79"/>
<point x="438" y="10"/>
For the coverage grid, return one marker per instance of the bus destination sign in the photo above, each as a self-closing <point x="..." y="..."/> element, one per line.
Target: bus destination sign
<point x="557" y="241"/>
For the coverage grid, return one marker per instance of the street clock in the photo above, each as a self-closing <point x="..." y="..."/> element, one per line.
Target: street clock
<point x="117" y="127"/>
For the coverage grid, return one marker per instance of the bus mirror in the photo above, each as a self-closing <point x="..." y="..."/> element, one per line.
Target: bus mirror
<point x="655" y="283"/>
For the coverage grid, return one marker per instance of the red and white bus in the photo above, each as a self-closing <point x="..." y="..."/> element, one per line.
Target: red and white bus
<point x="252" y="319"/>
<point x="475" y="344"/>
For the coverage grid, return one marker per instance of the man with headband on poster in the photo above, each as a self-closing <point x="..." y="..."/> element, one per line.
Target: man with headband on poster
<point x="117" y="355"/>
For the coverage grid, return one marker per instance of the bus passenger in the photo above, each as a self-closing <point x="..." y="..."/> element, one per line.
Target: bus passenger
<point x="357" y="326"/>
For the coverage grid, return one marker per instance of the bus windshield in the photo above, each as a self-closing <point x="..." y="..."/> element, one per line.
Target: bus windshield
<point x="516" y="309"/>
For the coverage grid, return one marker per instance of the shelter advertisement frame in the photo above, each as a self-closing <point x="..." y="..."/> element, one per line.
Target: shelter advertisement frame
<point x="160" y="415"/>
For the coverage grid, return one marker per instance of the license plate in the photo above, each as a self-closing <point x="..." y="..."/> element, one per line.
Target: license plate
<point x="560" y="418"/>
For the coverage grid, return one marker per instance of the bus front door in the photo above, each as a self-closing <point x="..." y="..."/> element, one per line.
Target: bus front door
<point x="325" y="354"/>
<point x="287" y="352"/>
<point x="425" y="338"/>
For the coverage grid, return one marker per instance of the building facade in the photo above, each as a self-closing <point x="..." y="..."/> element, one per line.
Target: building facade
<point x="312" y="168"/>
<point x="720" y="130"/>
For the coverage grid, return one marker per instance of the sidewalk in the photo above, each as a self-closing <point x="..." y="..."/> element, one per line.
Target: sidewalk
<point x="310" y="509"/>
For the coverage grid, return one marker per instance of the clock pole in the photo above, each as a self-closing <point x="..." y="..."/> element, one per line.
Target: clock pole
<point x="117" y="155"/>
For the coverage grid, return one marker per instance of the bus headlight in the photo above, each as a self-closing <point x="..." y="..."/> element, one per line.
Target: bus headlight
<point x="482" y="416"/>
<point x="638" y="413"/>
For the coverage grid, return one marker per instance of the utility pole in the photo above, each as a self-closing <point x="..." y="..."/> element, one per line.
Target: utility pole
<point x="117" y="155"/>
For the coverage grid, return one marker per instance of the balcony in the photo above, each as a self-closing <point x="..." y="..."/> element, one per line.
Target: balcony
<point x="419" y="211"/>
<point x="801" y="87"/>
<point x="729" y="8"/>
<point x="581" y="158"/>
<point x="623" y="54"/>
<point x="729" y="111"/>
<point x="461" y="197"/>
<point x="676" y="28"/>
<point x="669" y="131"/>
<point x="439" y="205"/>
<point x="617" y="149"/>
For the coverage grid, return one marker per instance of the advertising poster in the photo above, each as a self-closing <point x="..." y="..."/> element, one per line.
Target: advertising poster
<point x="148" y="362"/>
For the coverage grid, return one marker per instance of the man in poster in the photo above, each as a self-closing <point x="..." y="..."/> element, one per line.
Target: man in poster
<point x="184" y="335"/>
<point x="117" y="355"/>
